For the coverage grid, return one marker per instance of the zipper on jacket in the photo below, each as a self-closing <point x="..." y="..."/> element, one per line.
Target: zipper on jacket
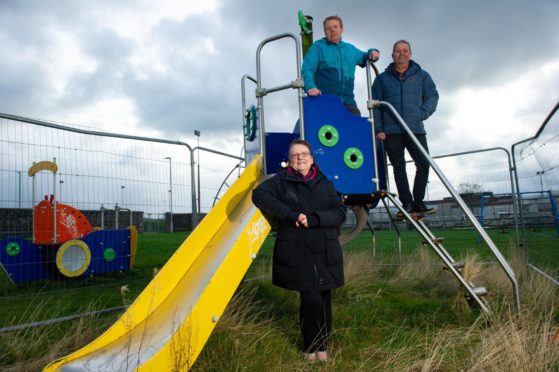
<point x="341" y="71"/>
<point x="320" y="281"/>
<point x="402" y="100"/>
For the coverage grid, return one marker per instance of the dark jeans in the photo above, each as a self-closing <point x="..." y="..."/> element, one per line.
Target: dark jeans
<point x="315" y="315"/>
<point x="395" y="144"/>
<point x="353" y="109"/>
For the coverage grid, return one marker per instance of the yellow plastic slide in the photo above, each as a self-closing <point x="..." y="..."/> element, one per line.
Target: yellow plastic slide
<point x="169" y="323"/>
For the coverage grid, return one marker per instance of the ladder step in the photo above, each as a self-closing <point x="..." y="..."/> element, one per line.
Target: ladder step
<point x="414" y="216"/>
<point x="457" y="265"/>
<point x="434" y="240"/>
<point x="479" y="291"/>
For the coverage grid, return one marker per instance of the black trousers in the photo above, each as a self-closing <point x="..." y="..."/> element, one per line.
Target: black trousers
<point x="315" y="316"/>
<point x="395" y="145"/>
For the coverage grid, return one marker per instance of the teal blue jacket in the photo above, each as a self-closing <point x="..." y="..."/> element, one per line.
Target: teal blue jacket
<point x="331" y="68"/>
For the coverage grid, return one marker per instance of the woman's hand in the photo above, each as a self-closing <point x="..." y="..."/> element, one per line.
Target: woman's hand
<point x="302" y="221"/>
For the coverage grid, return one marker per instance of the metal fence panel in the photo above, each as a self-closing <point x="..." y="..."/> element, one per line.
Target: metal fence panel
<point x="537" y="169"/>
<point x="476" y="175"/>
<point x="102" y="184"/>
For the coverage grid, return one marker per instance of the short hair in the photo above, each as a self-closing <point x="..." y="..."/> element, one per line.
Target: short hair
<point x="402" y="41"/>
<point x="332" y="18"/>
<point x="299" y="142"/>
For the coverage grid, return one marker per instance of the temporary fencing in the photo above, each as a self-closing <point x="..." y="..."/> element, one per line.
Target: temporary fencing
<point x="102" y="189"/>
<point x="536" y="162"/>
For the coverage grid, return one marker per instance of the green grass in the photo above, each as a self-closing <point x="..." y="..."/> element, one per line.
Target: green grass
<point x="542" y="248"/>
<point x="385" y="317"/>
<point x="75" y="296"/>
<point x="100" y="292"/>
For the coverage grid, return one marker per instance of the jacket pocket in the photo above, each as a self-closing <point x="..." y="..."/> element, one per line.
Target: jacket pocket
<point x="285" y="249"/>
<point x="333" y="249"/>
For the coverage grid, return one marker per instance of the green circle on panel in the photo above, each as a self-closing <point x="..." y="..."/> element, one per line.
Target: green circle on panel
<point x="13" y="249"/>
<point x="328" y="135"/>
<point x="109" y="254"/>
<point x="353" y="158"/>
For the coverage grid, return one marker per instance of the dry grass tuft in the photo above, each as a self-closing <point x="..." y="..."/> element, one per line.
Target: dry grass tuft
<point x="358" y="267"/>
<point x="472" y="268"/>
<point x="420" y="265"/>
<point x="471" y="272"/>
<point x="507" y="341"/>
<point x="516" y="343"/>
<point x="359" y="273"/>
<point x="254" y="334"/>
<point x="32" y="348"/>
<point x="519" y="343"/>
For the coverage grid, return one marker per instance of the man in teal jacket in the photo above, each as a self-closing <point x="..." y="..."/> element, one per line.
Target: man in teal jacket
<point x="329" y="65"/>
<point x="414" y="95"/>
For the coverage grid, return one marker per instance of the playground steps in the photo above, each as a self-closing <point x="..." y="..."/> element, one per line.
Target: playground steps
<point x="474" y="295"/>
<point x="435" y="241"/>
<point x="458" y="265"/>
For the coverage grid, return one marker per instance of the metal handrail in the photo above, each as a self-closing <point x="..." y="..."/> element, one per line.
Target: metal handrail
<point x="372" y="119"/>
<point x="261" y="92"/>
<point x="502" y="262"/>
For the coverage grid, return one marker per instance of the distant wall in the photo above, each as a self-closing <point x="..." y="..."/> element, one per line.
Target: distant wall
<point x="181" y="221"/>
<point x="496" y="212"/>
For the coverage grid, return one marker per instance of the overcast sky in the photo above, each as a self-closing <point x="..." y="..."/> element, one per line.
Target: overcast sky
<point x="166" y="68"/>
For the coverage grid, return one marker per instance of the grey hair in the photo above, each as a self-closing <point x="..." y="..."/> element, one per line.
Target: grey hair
<point x="402" y="41"/>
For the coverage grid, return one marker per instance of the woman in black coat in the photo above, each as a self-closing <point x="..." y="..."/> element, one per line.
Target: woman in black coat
<point x="307" y="254"/>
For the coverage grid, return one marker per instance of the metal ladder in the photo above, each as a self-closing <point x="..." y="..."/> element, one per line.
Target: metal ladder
<point x="474" y="293"/>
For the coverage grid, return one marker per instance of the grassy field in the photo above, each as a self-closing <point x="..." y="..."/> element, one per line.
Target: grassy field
<point x="387" y="317"/>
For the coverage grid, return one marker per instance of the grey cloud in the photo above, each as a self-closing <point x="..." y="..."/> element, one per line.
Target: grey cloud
<point x="194" y="92"/>
<point x="461" y="44"/>
<point x="110" y="54"/>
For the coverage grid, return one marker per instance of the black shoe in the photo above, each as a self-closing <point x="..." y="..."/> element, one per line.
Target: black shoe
<point x="423" y="209"/>
<point x="408" y="207"/>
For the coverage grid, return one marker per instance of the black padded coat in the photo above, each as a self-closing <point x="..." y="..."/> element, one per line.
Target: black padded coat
<point x="305" y="259"/>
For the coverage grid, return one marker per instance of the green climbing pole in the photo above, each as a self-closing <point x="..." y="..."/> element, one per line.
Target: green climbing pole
<point x="305" y="21"/>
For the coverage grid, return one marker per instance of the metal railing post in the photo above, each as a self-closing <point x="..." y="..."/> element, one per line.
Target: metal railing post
<point x="194" y="219"/>
<point x="372" y="121"/>
<point x="261" y="92"/>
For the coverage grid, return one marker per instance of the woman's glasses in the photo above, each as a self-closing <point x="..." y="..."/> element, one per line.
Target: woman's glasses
<point x="301" y="155"/>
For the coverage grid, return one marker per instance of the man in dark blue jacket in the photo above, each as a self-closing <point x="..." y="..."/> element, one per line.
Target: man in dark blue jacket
<point x="414" y="95"/>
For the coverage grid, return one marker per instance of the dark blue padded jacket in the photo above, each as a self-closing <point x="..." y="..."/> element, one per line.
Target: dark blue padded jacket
<point x="415" y="99"/>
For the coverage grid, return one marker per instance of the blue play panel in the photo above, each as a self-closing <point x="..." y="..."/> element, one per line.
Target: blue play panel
<point x="342" y="145"/>
<point x="23" y="261"/>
